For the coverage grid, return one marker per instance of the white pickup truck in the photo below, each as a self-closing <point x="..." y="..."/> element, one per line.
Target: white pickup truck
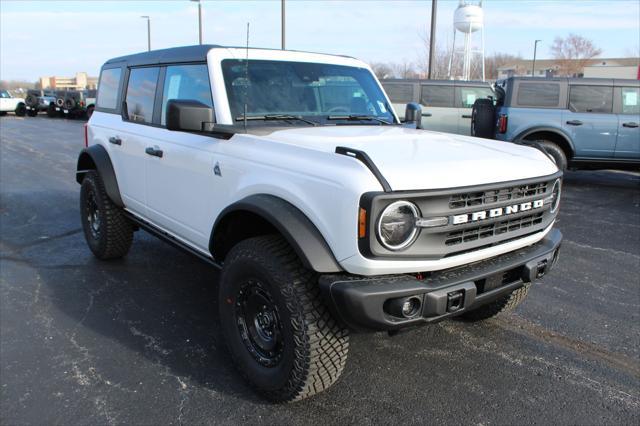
<point x="10" y="104"/>
<point x="291" y="172"/>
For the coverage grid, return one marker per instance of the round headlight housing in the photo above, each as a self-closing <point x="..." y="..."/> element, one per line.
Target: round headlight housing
<point x="556" y="190"/>
<point x="397" y="225"/>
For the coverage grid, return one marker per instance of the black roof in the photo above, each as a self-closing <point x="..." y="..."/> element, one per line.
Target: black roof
<point x="197" y="53"/>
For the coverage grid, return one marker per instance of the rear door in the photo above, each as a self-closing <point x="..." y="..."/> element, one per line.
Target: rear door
<point x="590" y="121"/>
<point x="465" y="97"/>
<point x="439" y="112"/>
<point x="628" y="107"/>
<point x="183" y="189"/>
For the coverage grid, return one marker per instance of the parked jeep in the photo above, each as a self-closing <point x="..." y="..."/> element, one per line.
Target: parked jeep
<point x="38" y="100"/>
<point x="581" y="122"/>
<point x="10" y="104"/>
<point x="79" y="103"/>
<point x="291" y="173"/>
<point x="55" y="109"/>
<point x="446" y="104"/>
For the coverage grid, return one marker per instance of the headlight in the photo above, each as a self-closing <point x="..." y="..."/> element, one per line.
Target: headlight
<point x="555" y="195"/>
<point x="397" y="225"/>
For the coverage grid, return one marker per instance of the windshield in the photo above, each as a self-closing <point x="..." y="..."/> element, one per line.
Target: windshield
<point x="4" y="94"/>
<point x="310" y="90"/>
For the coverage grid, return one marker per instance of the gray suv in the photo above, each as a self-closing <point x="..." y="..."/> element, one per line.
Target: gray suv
<point x="446" y="104"/>
<point x="581" y="122"/>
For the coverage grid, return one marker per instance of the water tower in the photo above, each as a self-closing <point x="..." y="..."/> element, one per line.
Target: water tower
<point x="469" y="20"/>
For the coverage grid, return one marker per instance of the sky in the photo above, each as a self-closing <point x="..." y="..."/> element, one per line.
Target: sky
<point x="45" y="38"/>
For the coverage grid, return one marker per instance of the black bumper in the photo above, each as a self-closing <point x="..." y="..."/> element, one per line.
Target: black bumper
<point x="374" y="303"/>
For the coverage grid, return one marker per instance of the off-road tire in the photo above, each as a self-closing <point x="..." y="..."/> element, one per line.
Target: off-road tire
<point x="483" y="119"/>
<point x="504" y="304"/>
<point x="31" y="100"/>
<point x="51" y="111"/>
<point x="556" y="152"/>
<point x="21" y="110"/>
<point x="115" y="230"/>
<point x="315" y="345"/>
<point x="32" y="112"/>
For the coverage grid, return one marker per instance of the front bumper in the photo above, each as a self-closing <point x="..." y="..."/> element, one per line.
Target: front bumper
<point x="370" y="303"/>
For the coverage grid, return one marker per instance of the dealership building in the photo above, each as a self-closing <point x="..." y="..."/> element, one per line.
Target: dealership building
<point x="81" y="81"/>
<point x="595" y="68"/>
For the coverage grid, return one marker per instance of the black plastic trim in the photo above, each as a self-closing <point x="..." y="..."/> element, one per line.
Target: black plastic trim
<point x="359" y="301"/>
<point x="367" y="161"/>
<point x="295" y="227"/>
<point x="100" y="157"/>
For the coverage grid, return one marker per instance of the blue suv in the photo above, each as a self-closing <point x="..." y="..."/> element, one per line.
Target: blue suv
<point x="580" y="122"/>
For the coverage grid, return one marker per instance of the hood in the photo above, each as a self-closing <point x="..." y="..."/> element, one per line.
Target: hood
<point x="411" y="159"/>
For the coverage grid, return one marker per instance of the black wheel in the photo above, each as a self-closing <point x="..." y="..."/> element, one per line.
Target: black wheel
<point x="556" y="152"/>
<point x="483" y="119"/>
<point x="51" y="111"/>
<point x="89" y="112"/>
<point x="21" y="110"/>
<point x="107" y="231"/>
<point x="31" y="100"/>
<point x="3" y="113"/>
<point x="32" y="112"/>
<point x="279" y="332"/>
<point x="504" y="304"/>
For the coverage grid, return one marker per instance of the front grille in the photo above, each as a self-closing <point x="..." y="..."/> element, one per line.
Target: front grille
<point x="493" y="229"/>
<point x="471" y="199"/>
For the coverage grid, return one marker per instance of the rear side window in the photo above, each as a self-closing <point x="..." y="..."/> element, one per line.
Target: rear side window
<point x="538" y="94"/>
<point x="187" y="82"/>
<point x="468" y="95"/>
<point x="108" y="88"/>
<point x="597" y="99"/>
<point x="437" y="96"/>
<point x="141" y="92"/>
<point x="399" y="93"/>
<point x="630" y="98"/>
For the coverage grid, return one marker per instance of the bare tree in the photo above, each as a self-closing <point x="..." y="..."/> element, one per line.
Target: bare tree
<point x="382" y="70"/>
<point x="497" y="60"/>
<point x="405" y="69"/>
<point x="573" y="53"/>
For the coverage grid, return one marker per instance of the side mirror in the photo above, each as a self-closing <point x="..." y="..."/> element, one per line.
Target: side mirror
<point x="413" y="114"/>
<point x="189" y="115"/>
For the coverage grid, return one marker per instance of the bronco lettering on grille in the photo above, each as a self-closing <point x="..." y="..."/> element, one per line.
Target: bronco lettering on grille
<point x="497" y="212"/>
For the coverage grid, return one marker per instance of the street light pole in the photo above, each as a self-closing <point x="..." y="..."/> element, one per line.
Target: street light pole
<point x="148" y="31"/>
<point x="282" y="23"/>
<point x="535" y="50"/>
<point x="199" y="20"/>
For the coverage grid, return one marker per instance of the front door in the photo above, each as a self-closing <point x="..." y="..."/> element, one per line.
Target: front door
<point x="590" y="121"/>
<point x="438" y="110"/>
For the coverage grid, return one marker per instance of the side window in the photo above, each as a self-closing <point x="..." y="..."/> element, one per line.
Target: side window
<point x="538" y="94"/>
<point x="437" y="96"/>
<point x="141" y="92"/>
<point x="108" y="88"/>
<point x="630" y="98"/>
<point x="468" y="95"/>
<point x="399" y="93"/>
<point x="186" y="82"/>
<point x="598" y="99"/>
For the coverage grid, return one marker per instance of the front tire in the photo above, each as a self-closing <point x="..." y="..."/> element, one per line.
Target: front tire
<point x="21" y="110"/>
<point x="504" y="304"/>
<point x="108" y="232"/>
<point x="279" y="332"/>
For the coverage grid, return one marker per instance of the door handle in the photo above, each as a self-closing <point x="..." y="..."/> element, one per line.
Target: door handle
<point x="630" y="124"/>
<point x="115" y="140"/>
<point x="574" y="123"/>
<point x="153" y="151"/>
<point x="426" y="114"/>
<point x="466" y="115"/>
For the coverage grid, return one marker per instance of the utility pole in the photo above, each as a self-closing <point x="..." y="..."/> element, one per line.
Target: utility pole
<point x="432" y="37"/>
<point x="282" y="23"/>
<point x="535" y="50"/>
<point x="199" y="20"/>
<point x="148" y="31"/>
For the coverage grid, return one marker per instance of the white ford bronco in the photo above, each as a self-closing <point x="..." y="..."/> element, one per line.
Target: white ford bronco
<point x="291" y="172"/>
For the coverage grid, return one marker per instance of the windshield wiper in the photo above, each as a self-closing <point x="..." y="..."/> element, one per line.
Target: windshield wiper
<point x="283" y="117"/>
<point x="356" y="117"/>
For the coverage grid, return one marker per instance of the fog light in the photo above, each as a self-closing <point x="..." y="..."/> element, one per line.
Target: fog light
<point x="410" y="307"/>
<point x="404" y="307"/>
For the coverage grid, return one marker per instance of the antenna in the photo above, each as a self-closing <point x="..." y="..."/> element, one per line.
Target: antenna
<point x="246" y="80"/>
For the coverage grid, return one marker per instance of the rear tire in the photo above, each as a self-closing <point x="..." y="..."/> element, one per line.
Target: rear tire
<point x="279" y="332"/>
<point x="483" y="119"/>
<point x="108" y="232"/>
<point x="504" y="304"/>
<point x="556" y="152"/>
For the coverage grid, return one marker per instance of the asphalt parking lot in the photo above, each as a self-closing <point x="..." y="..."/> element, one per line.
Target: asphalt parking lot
<point x="136" y="340"/>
